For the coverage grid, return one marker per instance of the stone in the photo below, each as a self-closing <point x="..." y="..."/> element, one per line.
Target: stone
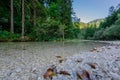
<point x="13" y="74"/>
<point x="33" y="77"/>
<point x="115" y="76"/>
<point x="18" y="70"/>
<point x="40" y="78"/>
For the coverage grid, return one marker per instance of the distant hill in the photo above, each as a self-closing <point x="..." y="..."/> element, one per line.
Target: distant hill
<point x="89" y="24"/>
<point x="83" y="25"/>
<point x="96" y="21"/>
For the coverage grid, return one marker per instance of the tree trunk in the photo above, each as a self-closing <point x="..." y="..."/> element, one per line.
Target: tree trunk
<point x="12" y="25"/>
<point x="34" y="13"/>
<point x="23" y="19"/>
<point x="34" y="18"/>
<point x="63" y="34"/>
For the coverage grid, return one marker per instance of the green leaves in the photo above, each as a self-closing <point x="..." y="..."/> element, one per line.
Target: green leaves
<point x="53" y="11"/>
<point x="44" y="19"/>
<point x="110" y="28"/>
<point x="7" y="36"/>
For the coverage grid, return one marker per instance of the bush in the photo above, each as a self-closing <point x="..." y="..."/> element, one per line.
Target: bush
<point x="7" y="36"/>
<point x="112" y="32"/>
<point x="117" y="22"/>
<point x="99" y="34"/>
<point x="46" y="31"/>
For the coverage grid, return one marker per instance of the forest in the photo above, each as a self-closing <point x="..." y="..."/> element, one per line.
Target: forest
<point x="103" y="29"/>
<point x="36" y="20"/>
<point x="53" y="20"/>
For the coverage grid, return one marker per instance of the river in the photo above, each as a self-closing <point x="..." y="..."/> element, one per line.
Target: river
<point x="27" y="55"/>
<point x="47" y="49"/>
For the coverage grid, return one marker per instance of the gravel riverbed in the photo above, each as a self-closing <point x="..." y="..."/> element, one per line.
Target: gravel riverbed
<point x="101" y="63"/>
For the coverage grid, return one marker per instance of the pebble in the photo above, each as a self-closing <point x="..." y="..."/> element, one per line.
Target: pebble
<point x="115" y="76"/>
<point x="13" y="74"/>
<point x="101" y="72"/>
<point x="33" y="77"/>
<point x="18" y="70"/>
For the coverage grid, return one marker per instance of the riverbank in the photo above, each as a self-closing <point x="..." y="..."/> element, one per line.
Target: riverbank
<point x="102" y="63"/>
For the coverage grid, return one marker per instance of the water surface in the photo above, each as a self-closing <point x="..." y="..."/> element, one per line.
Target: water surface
<point x="47" y="50"/>
<point x="28" y="55"/>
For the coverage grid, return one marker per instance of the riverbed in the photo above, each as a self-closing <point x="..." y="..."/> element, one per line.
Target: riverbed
<point x="18" y="60"/>
<point x="101" y="63"/>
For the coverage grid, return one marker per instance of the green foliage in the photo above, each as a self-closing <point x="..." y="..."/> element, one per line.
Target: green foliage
<point x="87" y="30"/>
<point x="112" y="32"/>
<point x="99" y="34"/>
<point x="96" y="22"/>
<point x="7" y="36"/>
<point x="46" y="31"/>
<point x="117" y="22"/>
<point x="51" y="20"/>
<point x="44" y="19"/>
<point x="53" y="11"/>
<point x="110" y="28"/>
<point x="87" y="33"/>
<point x="109" y="21"/>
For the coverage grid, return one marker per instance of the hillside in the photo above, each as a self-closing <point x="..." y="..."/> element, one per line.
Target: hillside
<point x="94" y="23"/>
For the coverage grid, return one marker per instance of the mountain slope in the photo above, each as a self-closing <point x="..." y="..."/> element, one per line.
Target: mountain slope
<point x="94" y="23"/>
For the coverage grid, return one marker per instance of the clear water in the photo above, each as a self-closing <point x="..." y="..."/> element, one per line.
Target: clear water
<point x="27" y="55"/>
<point x="46" y="49"/>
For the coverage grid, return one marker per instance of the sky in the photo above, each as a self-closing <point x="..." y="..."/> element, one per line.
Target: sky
<point x="88" y="10"/>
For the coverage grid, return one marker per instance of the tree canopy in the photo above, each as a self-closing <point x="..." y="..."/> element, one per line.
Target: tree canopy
<point x="44" y="20"/>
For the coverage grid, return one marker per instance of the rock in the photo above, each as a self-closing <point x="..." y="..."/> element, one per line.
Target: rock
<point x="18" y="79"/>
<point x="13" y="74"/>
<point x="33" y="77"/>
<point x="8" y="72"/>
<point x="40" y="78"/>
<point x="115" y="69"/>
<point x="18" y="70"/>
<point x="115" y="76"/>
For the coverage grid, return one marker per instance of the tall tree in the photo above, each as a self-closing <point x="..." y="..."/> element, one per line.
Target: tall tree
<point x="34" y="16"/>
<point x="111" y="10"/>
<point x="65" y="13"/>
<point x="34" y="13"/>
<point x="23" y="19"/>
<point x="12" y="23"/>
<point x="118" y="6"/>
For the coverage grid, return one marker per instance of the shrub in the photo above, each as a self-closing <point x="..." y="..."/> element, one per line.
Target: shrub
<point x="7" y="36"/>
<point x="46" y="31"/>
<point x="112" y="32"/>
<point x="99" y="34"/>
